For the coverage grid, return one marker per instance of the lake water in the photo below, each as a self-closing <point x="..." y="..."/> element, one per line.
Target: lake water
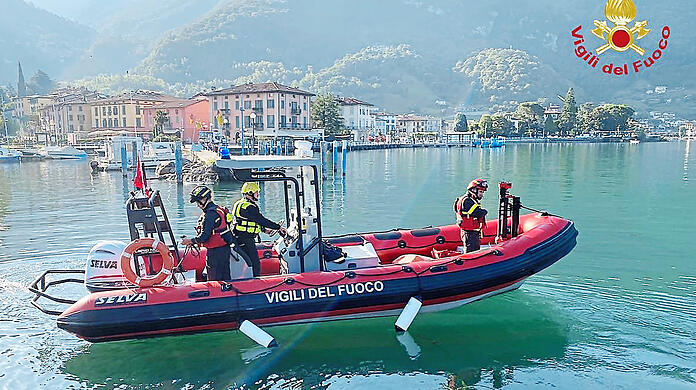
<point x="617" y="312"/>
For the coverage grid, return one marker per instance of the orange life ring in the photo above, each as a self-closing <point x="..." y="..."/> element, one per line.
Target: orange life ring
<point x="150" y="280"/>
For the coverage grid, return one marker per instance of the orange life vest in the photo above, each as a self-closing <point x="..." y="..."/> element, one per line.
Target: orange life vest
<point x="216" y="240"/>
<point x="464" y="219"/>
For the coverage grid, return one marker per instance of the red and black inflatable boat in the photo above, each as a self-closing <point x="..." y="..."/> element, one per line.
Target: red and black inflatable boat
<point x="382" y="273"/>
<point x="441" y="283"/>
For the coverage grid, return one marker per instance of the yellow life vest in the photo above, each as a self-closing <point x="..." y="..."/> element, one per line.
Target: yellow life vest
<point x="241" y="223"/>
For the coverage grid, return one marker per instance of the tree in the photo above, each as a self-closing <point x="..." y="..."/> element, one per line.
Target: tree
<point x="568" y="119"/>
<point x="485" y="126"/>
<point x="501" y="126"/>
<point x="460" y="124"/>
<point x="584" y="119"/>
<point x="550" y="126"/>
<point x="611" y="117"/>
<point x="532" y="116"/>
<point x="326" y="115"/>
<point x="161" y="118"/>
<point x="493" y="126"/>
<point x="40" y="83"/>
<point x="475" y="127"/>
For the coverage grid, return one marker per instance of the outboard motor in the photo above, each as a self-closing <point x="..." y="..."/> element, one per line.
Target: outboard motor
<point x="103" y="271"/>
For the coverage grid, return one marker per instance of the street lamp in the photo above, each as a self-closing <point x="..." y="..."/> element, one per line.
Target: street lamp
<point x="241" y="107"/>
<point x="253" y="128"/>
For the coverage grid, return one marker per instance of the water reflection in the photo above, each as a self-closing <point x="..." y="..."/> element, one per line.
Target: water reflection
<point x="686" y="160"/>
<point x="180" y="201"/>
<point x="461" y="346"/>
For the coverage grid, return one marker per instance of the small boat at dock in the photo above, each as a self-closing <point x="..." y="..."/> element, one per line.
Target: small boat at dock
<point x="9" y="155"/>
<point x="63" y="153"/>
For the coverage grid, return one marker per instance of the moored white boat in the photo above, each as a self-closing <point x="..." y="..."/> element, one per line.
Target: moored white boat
<point x="9" y="155"/>
<point x="157" y="152"/>
<point x="63" y="153"/>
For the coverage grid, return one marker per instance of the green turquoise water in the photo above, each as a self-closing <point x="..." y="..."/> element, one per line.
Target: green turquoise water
<point x="618" y="312"/>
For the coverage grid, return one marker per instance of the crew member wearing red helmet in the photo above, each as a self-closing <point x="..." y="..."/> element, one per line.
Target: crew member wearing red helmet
<point x="471" y="217"/>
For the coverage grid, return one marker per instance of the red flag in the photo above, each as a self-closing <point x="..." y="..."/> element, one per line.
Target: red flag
<point x="140" y="181"/>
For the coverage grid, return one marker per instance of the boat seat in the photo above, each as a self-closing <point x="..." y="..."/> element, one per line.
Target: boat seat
<point x="357" y="256"/>
<point x="411" y="258"/>
<point x="439" y="254"/>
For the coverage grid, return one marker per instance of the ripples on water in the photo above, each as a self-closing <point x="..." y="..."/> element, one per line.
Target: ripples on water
<point x="620" y="311"/>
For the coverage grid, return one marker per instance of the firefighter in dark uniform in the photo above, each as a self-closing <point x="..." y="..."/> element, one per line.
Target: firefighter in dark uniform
<point x="249" y="222"/>
<point x="213" y="232"/>
<point x="471" y="217"/>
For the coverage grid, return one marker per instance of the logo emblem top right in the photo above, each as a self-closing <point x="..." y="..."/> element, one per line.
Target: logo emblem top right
<point x="621" y="37"/>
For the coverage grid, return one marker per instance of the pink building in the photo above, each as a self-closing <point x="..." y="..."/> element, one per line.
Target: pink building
<point x="261" y="110"/>
<point x="186" y="116"/>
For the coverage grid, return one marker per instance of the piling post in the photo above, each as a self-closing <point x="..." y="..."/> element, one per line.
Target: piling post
<point x="178" y="164"/>
<point x="322" y="154"/>
<point x="135" y="154"/>
<point x="344" y="147"/>
<point x="124" y="160"/>
<point x="335" y="156"/>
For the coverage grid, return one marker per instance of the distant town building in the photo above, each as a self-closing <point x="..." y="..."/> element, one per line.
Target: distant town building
<point x="409" y="126"/>
<point x="262" y="109"/>
<point x="553" y="111"/>
<point x="452" y="137"/>
<point x="185" y="116"/>
<point x="433" y="125"/>
<point x="26" y="109"/>
<point x="358" y="117"/>
<point x="29" y="106"/>
<point x="385" y="124"/>
<point x="69" y="112"/>
<point x="124" y="113"/>
<point x="688" y="130"/>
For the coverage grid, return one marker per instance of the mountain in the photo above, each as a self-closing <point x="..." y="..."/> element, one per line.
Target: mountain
<point x="351" y="48"/>
<point x="401" y="55"/>
<point x="126" y="31"/>
<point x="39" y="39"/>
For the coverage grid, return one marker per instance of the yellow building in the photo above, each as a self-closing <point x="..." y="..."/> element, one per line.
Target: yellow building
<point x="27" y="110"/>
<point x="69" y="111"/>
<point x="28" y="106"/>
<point x="124" y="113"/>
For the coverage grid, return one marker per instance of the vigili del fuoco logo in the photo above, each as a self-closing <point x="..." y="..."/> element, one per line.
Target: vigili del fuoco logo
<point x="619" y="35"/>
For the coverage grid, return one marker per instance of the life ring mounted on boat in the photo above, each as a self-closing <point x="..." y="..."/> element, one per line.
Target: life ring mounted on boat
<point x="149" y="280"/>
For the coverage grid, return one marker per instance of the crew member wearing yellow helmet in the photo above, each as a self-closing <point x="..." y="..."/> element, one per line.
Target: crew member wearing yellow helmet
<point x="213" y="232"/>
<point x="249" y="222"/>
<point x="471" y="217"/>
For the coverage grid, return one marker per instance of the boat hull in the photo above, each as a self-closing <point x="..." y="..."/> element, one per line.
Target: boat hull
<point x="440" y="284"/>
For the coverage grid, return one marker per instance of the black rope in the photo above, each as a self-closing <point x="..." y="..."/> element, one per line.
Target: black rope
<point x="458" y="258"/>
<point x="320" y="284"/>
<point x="543" y="212"/>
<point x="238" y="291"/>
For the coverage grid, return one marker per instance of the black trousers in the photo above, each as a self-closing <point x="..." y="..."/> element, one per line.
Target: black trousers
<point x="219" y="263"/>
<point x="471" y="240"/>
<point x="247" y="243"/>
